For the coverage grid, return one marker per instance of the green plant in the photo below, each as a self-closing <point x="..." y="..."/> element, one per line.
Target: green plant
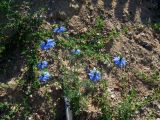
<point x="106" y="109"/>
<point x="156" y="26"/>
<point x="71" y="89"/>
<point x="99" y="23"/>
<point x="6" y="113"/>
<point x="142" y="75"/>
<point x="152" y="78"/>
<point x="113" y="34"/>
<point x="155" y="76"/>
<point x="124" y="110"/>
<point x="21" y="34"/>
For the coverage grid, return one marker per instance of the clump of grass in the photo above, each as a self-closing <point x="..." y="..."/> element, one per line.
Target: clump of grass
<point x="99" y="23"/>
<point x="6" y="112"/>
<point x="152" y="78"/>
<point x="156" y="27"/>
<point x="124" y="111"/>
<point x="71" y="87"/>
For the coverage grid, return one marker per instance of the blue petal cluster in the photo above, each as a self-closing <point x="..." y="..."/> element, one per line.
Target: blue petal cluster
<point x="42" y="64"/>
<point x="59" y="30"/>
<point x="119" y="61"/>
<point x="76" y="51"/>
<point x="47" y="44"/>
<point x="44" y="77"/>
<point x="94" y="75"/>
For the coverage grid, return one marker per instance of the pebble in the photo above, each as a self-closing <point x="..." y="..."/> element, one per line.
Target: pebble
<point x="109" y="25"/>
<point x="91" y="7"/>
<point x="113" y="96"/>
<point x="75" y="6"/>
<point x="31" y="96"/>
<point x="83" y="30"/>
<point x="137" y="112"/>
<point x="98" y="33"/>
<point x="30" y="118"/>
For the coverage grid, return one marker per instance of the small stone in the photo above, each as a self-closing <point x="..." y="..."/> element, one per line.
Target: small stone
<point x="30" y="118"/>
<point x="113" y="96"/>
<point x="98" y="33"/>
<point x="49" y="90"/>
<point x="118" y="26"/>
<point x="109" y="90"/>
<point x="91" y="7"/>
<point x="12" y="83"/>
<point x="126" y="51"/>
<point x="143" y="34"/>
<point x="109" y="25"/>
<point x="137" y="112"/>
<point x="75" y="6"/>
<point x="83" y="30"/>
<point x="36" y="116"/>
<point x="136" y="37"/>
<point x="31" y="96"/>
<point x="89" y="17"/>
<point x="158" y="105"/>
<point x="130" y="33"/>
<point x="22" y="69"/>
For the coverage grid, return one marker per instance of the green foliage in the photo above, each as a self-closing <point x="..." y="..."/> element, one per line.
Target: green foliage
<point x="105" y="107"/>
<point x="125" y="110"/>
<point x="113" y="34"/>
<point x="156" y="26"/>
<point x="6" y="113"/>
<point x="153" y="77"/>
<point x="5" y="6"/>
<point x="18" y="29"/>
<point x="71" y="86"/>
<point x="21" y="32"/>
<point x="142" y="75"/>
<point x="99" y="23"/>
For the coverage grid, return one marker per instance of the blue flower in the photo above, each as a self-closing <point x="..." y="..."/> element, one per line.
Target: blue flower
<point x="42" y="64"/>
<point x="94" y="75"/>
<point x="47" y="44"/>
<point x="119" y="61"/>
<point x="76" y="51"/>
<point x="59" y="29"/>
<point x="44" y="77"/>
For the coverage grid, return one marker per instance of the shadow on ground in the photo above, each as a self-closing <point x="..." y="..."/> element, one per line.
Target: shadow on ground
<point x="62" y="9"/>
<point x="40" y="103"/>
<point x="11" y="61"/>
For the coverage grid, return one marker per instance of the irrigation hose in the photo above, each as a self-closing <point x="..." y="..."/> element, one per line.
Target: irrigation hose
<point x="68" y="109"/>
<point x="69" y="115"/>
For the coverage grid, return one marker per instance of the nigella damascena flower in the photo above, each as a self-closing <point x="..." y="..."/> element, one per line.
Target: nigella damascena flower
<point x="59" y="30"/>
<point x="76" y="51"/>
<point x="94" y="75"/>
<point x="119" y="61"/>
<point x="47" y="44"/>
<point x="42" y="64"/>
<point x="44" y="77"/>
